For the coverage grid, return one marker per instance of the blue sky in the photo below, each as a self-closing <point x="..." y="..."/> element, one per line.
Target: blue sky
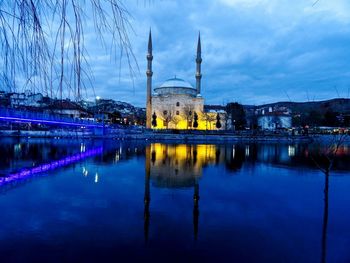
<point x="254" y="51"/>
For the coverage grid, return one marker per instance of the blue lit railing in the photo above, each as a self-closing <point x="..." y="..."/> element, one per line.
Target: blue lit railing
<point x="13" y="115"/>
<point x="31" y="172"/>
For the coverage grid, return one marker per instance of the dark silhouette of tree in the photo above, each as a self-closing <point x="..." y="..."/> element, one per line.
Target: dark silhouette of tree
<point x="236" y="113"/>
<point x="195" y="120"/>
<point x="325" y="159"/>
<point x="330" y="118"/>
<point x="115" y="116"/>
<point x="312" y="118"/>
<point x="154" y="120"/>
<point x="218" y="123"/>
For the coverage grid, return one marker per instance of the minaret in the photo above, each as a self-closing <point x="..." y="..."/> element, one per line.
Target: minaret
<point x="198" y="62"/>
<point x="149" y="74"/>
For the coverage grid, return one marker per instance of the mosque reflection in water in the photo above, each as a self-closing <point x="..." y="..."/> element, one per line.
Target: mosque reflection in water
<point x="181" y="166"/>
<point x="171" y="166"/>
<point x="176" y="166"/>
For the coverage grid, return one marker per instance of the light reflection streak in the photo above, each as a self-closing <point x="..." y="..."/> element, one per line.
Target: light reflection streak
<point x="65" y="123"/>
<point x="30" y="172"/>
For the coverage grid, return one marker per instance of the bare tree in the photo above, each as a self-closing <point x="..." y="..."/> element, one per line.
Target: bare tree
<point x="43" y="45"/>
<point x="326" y="155"/>
<point x="188" y="114"/>
<point x="167" y="116"/>
<point x="324" y="159"/>
<point x="175" y="120"/>
<point x="208" y="117"/>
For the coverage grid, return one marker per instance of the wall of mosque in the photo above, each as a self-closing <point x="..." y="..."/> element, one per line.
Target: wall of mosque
<point x="176" y="111"/>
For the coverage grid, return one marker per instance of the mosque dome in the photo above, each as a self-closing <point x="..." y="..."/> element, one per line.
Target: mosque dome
<point x="175" y="86"/>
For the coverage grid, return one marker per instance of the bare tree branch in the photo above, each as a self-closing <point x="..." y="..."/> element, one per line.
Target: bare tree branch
<point x="58" y="65"/>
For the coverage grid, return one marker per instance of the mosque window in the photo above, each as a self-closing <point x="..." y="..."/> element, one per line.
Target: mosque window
<point x="177" y="104"/>
<point x="177" y="112"/>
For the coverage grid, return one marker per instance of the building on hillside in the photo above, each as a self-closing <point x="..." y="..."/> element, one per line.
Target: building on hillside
<point x="67" y="108"/>
<point x="17" y="100"/>
<point x="34" y="100"/>
<point x="176" y="104"/>
<point x="274" y="120"/>
<point x="25" y="99"/>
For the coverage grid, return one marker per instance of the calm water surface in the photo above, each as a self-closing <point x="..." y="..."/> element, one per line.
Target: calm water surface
<point x="98" y="201"/>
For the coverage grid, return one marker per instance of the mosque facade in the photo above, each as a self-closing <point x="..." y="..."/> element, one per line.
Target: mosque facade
<point x="176" y="104"/>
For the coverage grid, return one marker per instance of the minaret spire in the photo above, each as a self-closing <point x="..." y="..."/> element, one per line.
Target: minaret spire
<point x="150" y="42"/>
<point x="149" y="74"/>
<point x="198" y="62"/>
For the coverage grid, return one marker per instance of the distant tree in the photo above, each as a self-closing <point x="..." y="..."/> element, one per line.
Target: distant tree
<point x="175" y="120"/>
<point x="330" y="118"/>
<point x="236" y="113"/>
<point x="195" y="120"/>
<point x="325" y="158"/>
<point x="188" y="114"/>
<point x="115" y="116"/>
<point x="168" y="116"/>
<point x="208" y="117"/>
<point x="311" y="117"/>
<point x="154" y="120"/>
<point x="218" y="123"/>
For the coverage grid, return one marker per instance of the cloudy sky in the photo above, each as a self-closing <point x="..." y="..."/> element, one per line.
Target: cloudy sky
<point x="254" y="51"/>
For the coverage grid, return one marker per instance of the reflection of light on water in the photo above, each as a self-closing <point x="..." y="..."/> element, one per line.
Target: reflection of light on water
<point x="247" y="150"/>
<point x="291" y="150"/>
<point x="17" y="147"/>
<point x="233" y="151"/>
<point x="85" y="172"/>
<point x="96" y="178"/>
<point x="117" y="156"/>
<point x="82" y="147"/>
<point x="31" y="172"/>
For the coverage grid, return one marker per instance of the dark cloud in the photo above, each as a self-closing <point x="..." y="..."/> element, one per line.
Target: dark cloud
<point x="254" y="51"/>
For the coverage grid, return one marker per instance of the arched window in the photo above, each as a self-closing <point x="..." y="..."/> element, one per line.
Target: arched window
<point x="177" y="104"/>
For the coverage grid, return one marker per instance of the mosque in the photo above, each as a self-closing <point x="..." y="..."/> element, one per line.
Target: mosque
<point x="176" y="104"/>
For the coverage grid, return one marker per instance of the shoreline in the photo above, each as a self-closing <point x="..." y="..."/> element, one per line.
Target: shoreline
<point x="159" y="137"/>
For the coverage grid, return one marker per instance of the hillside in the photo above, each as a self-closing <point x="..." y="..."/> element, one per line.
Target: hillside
<point x="336" y="105"/>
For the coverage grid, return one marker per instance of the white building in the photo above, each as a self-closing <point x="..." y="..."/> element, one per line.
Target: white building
<point x="17" y="100"/>
<point x="274" y="120"/>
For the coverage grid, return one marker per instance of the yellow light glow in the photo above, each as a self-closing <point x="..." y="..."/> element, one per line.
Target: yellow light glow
<point x="203" y="124"/>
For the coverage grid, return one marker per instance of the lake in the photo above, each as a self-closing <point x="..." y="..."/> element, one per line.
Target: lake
<point x="123" y="201"/>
